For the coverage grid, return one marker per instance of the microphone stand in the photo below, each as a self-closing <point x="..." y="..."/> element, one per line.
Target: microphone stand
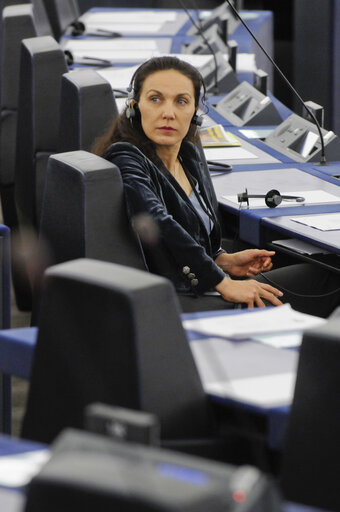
<point x="201" y="33"/>
<point x="323" y="160"/>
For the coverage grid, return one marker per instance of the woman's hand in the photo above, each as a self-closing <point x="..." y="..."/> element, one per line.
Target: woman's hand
<point x="246" y="263"/>
<point x="249" y="292"/>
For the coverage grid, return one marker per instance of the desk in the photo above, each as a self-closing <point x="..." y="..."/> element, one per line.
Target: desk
<point x="165" y="24"/>
<point x="133" y="21"/>
<point x="246" y="359"/>
<point x="13" y="499"/>
<point x="329" y="240"/>
<point x="17" y="349"/>
<point x="283" y="178"/>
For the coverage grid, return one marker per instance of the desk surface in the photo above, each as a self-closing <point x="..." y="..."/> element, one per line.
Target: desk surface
<point x="286" y="179"/>
<point x="329" y="240"/>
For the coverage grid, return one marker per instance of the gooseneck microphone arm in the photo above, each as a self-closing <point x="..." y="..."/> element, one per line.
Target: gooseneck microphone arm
<point x="323" y="160"/>
<point x="201" y="33"/>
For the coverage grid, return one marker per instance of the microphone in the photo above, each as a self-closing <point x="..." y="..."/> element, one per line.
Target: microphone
<point x="218" y="166"/>
<point x="77" y="28"/>
<point x="323" y="160"/>
<point x="272" y="198"/>
<point x="86" y="60"/>
<point x="215" y="90"/>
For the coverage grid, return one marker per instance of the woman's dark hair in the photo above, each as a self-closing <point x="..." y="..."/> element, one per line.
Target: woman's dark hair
<point x="130" y="130"/>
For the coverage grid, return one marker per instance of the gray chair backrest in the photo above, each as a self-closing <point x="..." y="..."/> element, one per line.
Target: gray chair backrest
<point x="61" y="13"/>
<point x="84" y="212"/>
<point x="112" y="334"/>
<point x="17" y="24"/>
<point x="41" y="19"/>
<point x="88" y="108"/>
<point x="311" y="454"/>
<point x="41" y="68"/>
<point x="5" y="3"/>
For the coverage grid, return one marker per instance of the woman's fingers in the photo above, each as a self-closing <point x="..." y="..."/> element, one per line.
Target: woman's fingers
<point x="250" y="292"/>
<point x="267" y="292"/>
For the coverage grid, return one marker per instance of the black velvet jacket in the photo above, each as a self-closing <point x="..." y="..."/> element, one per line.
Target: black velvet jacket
<point x="186" y="251"/>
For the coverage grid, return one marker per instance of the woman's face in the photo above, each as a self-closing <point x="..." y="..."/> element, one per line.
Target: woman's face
<point x="167" y="105"/>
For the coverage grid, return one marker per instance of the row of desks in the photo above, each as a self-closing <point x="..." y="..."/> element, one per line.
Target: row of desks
<point x="267" y="170"/>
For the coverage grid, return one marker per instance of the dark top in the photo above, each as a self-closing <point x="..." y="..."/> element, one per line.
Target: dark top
<point x="185" y="251"/>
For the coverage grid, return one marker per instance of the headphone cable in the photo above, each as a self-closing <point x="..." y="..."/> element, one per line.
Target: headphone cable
<point x="312" y="296"/>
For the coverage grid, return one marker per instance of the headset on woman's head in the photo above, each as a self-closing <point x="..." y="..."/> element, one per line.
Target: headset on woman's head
<point x="130" y="111"/>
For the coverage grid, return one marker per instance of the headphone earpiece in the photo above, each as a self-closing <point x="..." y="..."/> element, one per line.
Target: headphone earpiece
<point x="197" y="120"/>
<point x="130" y="111"/>
<point x="272" y="198"/>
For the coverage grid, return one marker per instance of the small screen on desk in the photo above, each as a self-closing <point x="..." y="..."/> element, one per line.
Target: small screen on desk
<point x="305" y="145"/>
<point x="183" y="473"/>
<point x="247" y="109"/>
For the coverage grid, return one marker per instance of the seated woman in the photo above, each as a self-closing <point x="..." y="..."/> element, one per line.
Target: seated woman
<point x="153" y="144"/>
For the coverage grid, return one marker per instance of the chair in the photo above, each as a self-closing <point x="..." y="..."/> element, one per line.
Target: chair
<point x="113" y="334"/>
<point x="17" y="23"/>
<point x="5" y="305"/>
<point x="311" y="456"/>
<point x="84" y="213"/>
<point x="42" y="65"/>
<point x="88" y="108"/>
<point x="41" y="19"/>
<point x="61" y="14"/>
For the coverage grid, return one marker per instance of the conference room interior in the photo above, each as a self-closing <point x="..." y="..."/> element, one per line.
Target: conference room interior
<point x="288" y="26"/>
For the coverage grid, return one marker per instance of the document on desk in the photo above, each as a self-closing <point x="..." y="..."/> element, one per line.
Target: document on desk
<point x="323" y="222"/>
<point x="310" y="196"/>
<point x="18" y="469"/>
<point x="125" y="28"/>
<point x="245" y="62"/>
<point x="120" y="44"/>
<point x="118" y="78"/>
<point x="246" y="372"/>
<point x="255" y="322"/>
<point x="131" y="17"/>
<point x="230" y="153"/>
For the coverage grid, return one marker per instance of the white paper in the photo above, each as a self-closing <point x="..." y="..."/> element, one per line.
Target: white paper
<point x="228" y="153"/>
<point x="130" y="16"/>
<point x="245" y="62"/>
<point x="198" y="61"/>
<point x="118" y="78"/>
<point x="125" y="28"/>
<point x="283" y="340"/>
<point x="324" y="222"/>
<point x="18" y="470"/>
<point x="267" y="391"/>
<point x="116" y="55"/>
<point x="262" y="321"/>
<point x="259" y="133"/>
<point x="311" y="197"/>
<point x="122" y="45"/>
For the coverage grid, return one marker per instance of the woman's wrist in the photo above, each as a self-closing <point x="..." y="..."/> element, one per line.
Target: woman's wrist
<point x="220" y="287"/>
<point x="224" y="260"/>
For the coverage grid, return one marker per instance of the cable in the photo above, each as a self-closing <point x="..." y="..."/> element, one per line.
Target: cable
<point x="201" y="33"/>
<point x="312" y="296"/>
<point x="323" y="155"/>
